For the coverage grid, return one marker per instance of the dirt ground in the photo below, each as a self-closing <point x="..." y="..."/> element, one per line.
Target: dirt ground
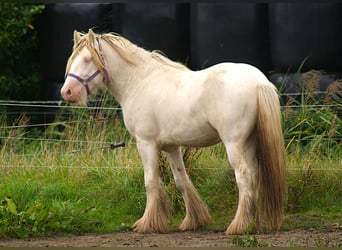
<point x="331" y="236"/>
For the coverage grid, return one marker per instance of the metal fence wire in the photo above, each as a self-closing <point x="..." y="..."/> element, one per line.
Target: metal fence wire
<point x="28" y="107"/>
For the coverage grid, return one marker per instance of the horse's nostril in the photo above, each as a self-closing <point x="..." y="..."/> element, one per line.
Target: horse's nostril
<point x="66" y="93"/>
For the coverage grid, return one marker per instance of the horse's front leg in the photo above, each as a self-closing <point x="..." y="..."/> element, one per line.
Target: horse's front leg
<point x="197" y="214"/>
<point x="156" y="215"/>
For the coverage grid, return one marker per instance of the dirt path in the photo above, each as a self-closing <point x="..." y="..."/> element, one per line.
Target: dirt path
<point x="295" y="238"/>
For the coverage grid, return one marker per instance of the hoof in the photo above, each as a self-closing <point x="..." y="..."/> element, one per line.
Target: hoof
<point x="145" y="226"/>
<point x="195" y="223"/>
<point x="241" y="228"/>
<point x="236" y="228"/>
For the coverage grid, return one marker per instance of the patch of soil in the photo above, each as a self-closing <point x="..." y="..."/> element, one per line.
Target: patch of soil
<point x="305" y="238"/>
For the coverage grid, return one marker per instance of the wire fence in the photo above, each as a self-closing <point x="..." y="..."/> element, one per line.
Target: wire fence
<point x="58" y="105"/>
<point x="218" y="168"/>
<point x="61" y="105"/>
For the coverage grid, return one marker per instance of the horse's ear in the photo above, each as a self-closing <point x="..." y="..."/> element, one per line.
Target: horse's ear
<point x="91" y="32"/>
<point x="91" y="36"/>
<point x="77" y="37"/>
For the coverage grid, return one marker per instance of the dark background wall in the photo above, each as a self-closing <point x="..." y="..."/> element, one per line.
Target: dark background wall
<point x="275" y="37"/>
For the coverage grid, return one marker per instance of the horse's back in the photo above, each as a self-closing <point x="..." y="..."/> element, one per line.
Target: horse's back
<point x="245" y="75"/>
<point x="199" y="108"/>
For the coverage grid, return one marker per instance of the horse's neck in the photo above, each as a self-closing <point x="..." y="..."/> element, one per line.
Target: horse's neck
<point x="129" y="79"/>
<point x="121" y="73"/>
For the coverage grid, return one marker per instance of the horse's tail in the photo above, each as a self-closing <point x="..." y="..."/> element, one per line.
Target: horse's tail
<point x="271" y="158"/>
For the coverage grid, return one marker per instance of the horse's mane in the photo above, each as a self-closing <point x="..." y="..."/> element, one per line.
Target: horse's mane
<point x="156" y="54"/>
<point x="126" y="49"/>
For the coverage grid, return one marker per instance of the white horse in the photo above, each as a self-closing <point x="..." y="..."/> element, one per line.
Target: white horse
<point x="165" y="105"/>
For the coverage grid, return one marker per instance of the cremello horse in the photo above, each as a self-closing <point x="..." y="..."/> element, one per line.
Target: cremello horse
<point x="166" y="105"/>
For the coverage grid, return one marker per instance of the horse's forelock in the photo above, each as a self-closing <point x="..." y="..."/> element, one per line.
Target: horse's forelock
<point x="89" y="41"/>
<point x="78" y="45"/>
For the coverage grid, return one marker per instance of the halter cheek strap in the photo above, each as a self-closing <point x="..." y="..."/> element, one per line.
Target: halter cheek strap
<point x="106" y="75"/>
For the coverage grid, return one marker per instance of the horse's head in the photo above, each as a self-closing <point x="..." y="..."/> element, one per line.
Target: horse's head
<point x="85" y="70"/>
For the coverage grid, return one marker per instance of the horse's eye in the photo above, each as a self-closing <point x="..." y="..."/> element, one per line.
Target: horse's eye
<point x="87" y="59"/>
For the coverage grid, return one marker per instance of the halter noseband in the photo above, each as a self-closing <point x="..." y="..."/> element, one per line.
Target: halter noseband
<point x="90" y="78"/>
<point x="85" y="81"/>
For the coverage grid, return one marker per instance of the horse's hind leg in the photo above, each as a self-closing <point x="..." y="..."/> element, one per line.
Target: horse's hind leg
<point x="155" y="218"/>
<point x="197" y="214"/>
<point x="243" y="162"/>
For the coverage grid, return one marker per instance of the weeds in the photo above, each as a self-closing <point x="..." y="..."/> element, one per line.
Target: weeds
<point x="308" y="119"/>
<point x="248" y="240"/>
<point x="38" y="218"/>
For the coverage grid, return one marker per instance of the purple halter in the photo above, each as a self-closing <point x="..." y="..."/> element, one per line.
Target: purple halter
<point x="90" y="78"/>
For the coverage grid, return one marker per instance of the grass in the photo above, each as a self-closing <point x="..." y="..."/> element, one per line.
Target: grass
<point x="66" y="179"/>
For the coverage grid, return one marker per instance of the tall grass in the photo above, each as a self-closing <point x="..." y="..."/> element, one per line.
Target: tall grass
<point x="313" y="136"/>
<point x="66" y="179"/>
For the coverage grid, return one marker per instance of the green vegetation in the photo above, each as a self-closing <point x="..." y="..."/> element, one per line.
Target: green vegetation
<point x="67" y="180"/>
<point x="248" y="240"/>
<point x="19" y="54"/>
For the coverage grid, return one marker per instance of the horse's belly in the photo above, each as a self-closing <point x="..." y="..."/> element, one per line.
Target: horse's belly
<point x="199" y="137"/>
